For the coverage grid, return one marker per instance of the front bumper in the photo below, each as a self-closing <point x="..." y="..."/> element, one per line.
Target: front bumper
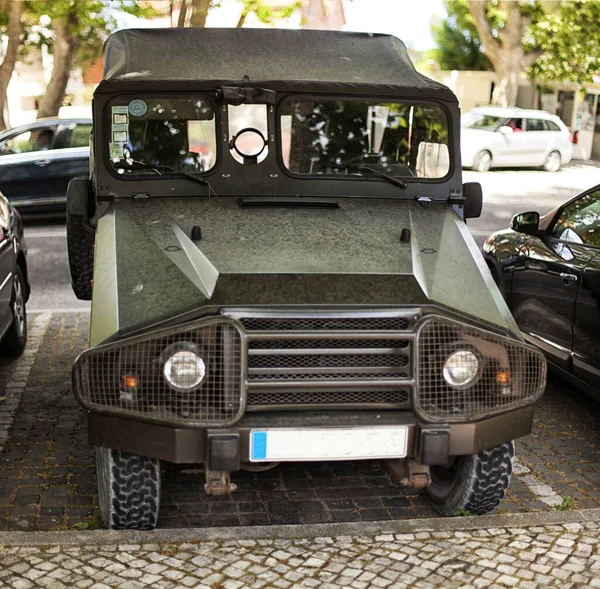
<point x="191" y="446"/>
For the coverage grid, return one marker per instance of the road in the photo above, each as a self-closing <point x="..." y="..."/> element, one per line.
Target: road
<point x="506" y="193"/>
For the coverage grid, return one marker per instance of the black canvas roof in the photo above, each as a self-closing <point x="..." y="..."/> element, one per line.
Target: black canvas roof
<point x="275" y="59"/>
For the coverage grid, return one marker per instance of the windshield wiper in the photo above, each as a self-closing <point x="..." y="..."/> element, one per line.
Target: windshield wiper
<point x="366" y="170"/>
<point x="144" y="166"/>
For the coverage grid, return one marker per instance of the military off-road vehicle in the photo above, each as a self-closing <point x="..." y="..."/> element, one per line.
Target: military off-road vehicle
<point x="273" y="239"/>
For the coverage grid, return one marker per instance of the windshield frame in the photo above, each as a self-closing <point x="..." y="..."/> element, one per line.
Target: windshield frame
<point x="362" y="98"/>
<point x="106" y="127"/>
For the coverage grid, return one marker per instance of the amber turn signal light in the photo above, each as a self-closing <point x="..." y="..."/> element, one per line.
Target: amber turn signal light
<point x="130" y="381"/>
<point x="503" y="377"/>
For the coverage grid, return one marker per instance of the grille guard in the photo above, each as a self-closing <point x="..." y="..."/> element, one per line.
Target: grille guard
<point x="97" y="386"/>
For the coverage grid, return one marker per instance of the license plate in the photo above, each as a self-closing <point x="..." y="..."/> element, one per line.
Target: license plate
<point x="308" y="444"/>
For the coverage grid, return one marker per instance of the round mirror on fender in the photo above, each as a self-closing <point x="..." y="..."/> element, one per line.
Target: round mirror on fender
<point x="473" y="200"/>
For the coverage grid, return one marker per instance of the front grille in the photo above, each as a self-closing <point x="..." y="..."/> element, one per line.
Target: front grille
<point x="333" y="398"/>
<point x="522" y="367"/>
<point x="101" y="384"/>
<point x="328" y="360"/>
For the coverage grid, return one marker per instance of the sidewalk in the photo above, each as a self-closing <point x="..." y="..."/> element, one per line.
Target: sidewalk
<point x="492" y="551"/>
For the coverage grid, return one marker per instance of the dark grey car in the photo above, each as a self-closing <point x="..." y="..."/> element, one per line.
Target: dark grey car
<point x="38" y="160"/>
<point x="14" y="285"/>
<point x="274" y="243"/>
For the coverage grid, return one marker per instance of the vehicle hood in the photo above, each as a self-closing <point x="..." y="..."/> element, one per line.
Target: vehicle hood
<point x="148" y="269"/>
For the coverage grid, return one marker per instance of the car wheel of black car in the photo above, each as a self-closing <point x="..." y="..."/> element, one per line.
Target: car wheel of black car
<point x="482" y="161"/>
<point x="80" y="238"/>
<point x="474" y="484"/>
<point x="15" y="339"/>
<point x="553" y="161"/>
<point x="128" y="489"/>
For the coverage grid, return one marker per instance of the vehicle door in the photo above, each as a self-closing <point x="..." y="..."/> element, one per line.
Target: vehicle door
<point x="7" y="261"/>
<point x="24" y="161"/>
<point x="548" y="273"/>
<point x="586" y="344"/>
<point x="513" y="145"/>
<point x="70" y="157"/>
<point x="538" y="141"/>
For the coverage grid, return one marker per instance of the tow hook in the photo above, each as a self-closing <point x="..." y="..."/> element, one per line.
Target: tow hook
<point x="218" y="482"/>
<point x="409" y="473"/>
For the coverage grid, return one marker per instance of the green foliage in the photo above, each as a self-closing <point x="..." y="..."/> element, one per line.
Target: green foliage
<point x="570" y="39"/>
<point x="457" y="39"/>
<point x="90" y="21"/>
<point x="265" y="13"/>
<point x="567" y="504"/>
<point x="87" y="525"/>
<point x="460" y="512"/>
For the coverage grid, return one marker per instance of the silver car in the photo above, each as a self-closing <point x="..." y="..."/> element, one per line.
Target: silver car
<point x="495" y="137"/>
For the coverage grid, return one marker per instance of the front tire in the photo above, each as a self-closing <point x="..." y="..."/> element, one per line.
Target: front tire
<point x="553" y="162"/>
<point x="482" y="161"/>
<point x="128" y="489"/>
<point x="474" y="484"/>
<point x="15" y="339"/>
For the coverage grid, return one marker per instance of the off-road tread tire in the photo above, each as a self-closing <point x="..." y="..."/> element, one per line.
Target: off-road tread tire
<point x="12" y="344"/>
<point x="128" y="489"/>
<point x="480" y="483"/>
<point x="80" y="246"/>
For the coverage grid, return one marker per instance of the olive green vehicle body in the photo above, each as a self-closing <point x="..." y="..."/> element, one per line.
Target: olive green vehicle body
<point x="151" y="277"/>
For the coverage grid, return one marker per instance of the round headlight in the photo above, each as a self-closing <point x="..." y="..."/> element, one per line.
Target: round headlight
<point x="461" y="368"/>
<point x="184" y="370"/>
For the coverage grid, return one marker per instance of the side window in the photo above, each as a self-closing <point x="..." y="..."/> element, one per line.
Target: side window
<point x="535" y="125"/>
<point x="79" y="136"/>
<point x="579" y="222"/>
<point x="38" y="140"/>
<point x="515" y="124"/>
<point x="551" y="126"/>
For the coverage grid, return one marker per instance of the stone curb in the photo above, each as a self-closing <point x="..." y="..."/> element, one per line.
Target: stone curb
<point x="178" y="536"/>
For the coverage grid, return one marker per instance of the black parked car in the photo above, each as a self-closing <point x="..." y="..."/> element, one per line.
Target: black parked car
<point x="38" y="160"/>
<point x="548" y="270"/>
<point x="14" y="287"/>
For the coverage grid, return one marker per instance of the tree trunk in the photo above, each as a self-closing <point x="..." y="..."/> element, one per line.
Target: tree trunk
<point x="505" y="51"/>
<point x="7" y="67"/>
<point x="199" y="12"/>
<point x="182" y="14"/>
<point x="65" y="47"/>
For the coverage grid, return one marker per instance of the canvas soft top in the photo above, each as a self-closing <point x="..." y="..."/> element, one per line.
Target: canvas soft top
<point x="274" y="59"/>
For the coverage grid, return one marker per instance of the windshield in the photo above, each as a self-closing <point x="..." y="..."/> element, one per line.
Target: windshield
<point x="161" y="133"/>
<point x="482" y="121"/>
<point x="399" y="139"/>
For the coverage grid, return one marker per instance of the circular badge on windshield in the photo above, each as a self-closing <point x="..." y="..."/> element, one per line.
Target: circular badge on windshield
<point x="137" y="108"/>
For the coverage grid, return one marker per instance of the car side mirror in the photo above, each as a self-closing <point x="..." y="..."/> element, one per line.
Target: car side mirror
<point x="527" y="223"/>
<point x="473" y="200"/>
<point x="505" y="130"/>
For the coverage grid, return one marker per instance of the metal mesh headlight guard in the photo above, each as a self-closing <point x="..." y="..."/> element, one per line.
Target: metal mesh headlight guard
<point x="126" y="378"/>
<point x="511" y="374"/>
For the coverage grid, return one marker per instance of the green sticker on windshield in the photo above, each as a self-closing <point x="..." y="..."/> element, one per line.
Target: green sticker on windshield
<point x="116" y="150"/>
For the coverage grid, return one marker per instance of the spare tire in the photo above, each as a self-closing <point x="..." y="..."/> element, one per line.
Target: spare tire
<point x="80" y="237"/>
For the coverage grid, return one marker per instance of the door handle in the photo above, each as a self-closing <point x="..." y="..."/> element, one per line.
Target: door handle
<point x="41" y="163"/>
<point x="568" y="279"/>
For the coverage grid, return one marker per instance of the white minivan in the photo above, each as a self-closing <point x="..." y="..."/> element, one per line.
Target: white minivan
<point x="493" y="137"/>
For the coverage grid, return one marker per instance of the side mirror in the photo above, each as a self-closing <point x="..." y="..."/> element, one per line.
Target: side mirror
<point x="473" y="200"/>
<point x="505" y="130"/>
<point x="527" y="223"/>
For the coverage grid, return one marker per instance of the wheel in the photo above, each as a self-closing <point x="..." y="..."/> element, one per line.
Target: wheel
<point x="128" y="489"/>
<point x="80" y="237"/>
<point x="15" y="339"/>
<point x="482" y="161"/>
<point x="553" y="161"/>
<point x="474" y="484"/>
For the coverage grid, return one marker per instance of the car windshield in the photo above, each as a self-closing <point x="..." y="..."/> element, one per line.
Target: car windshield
<point x="483" y="121"/>
<point x="154" y="134"/>
<point x="400" y="139"/>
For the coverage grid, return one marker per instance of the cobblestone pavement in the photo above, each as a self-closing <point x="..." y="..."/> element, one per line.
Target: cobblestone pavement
<point x="531" y="557"/>
<point x="47" y="472"/>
